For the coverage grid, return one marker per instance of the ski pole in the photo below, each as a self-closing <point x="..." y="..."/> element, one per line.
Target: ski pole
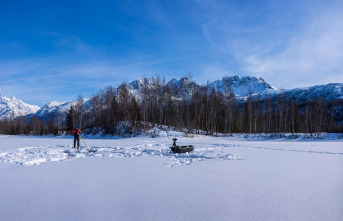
<point x="84" y="142"/>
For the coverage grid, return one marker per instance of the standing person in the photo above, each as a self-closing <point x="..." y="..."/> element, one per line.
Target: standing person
<point x="77" y="133"/>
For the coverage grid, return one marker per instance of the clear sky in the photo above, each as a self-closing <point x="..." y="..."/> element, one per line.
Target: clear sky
<point x="55" y="50"/>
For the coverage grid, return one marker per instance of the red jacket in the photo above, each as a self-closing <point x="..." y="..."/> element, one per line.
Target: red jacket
<point x="76" y="132"/>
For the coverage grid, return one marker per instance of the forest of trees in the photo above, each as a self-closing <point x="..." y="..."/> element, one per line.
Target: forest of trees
<point x="189" y="108"/>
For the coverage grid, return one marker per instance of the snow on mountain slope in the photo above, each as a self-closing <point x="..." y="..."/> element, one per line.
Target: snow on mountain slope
<point x="11" y="108"/>
<point x="54" y="106"/>
<point x="59" y="109"/>
<point x="136" y="88"/>
<point x="242" y="86"/>
<point x="181" y="84"/>
<point x="140" y="84"/>
<point x="328" y="92"/>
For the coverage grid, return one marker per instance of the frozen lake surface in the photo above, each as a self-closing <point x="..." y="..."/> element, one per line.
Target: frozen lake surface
<point x="43" y="178"/>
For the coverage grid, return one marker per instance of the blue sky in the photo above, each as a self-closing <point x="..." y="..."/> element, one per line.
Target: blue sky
<point x="56" y="50"/>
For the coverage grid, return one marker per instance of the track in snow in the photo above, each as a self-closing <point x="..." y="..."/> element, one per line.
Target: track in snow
<point x="29" y="156"/>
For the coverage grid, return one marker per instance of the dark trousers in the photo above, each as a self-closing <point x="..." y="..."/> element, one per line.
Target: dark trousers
<point x="77" y="139"/>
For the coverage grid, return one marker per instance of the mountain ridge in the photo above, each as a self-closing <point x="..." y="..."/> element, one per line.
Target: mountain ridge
<point x="11" y="108"/>
<point x="241" y="86"/>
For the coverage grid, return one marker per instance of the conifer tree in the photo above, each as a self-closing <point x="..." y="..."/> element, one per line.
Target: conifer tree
<point x="70" y="119"/>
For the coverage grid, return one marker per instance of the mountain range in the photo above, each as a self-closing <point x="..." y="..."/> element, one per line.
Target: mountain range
<point x="11" y="108"/>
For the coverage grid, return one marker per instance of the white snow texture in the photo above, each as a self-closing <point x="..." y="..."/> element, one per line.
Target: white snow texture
<point x="236" y="178"/>
<point x="11" y="108"/>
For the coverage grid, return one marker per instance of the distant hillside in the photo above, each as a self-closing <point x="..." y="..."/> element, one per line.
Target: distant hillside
<point x="241" y="86"/>
<point x="11" y="108"/>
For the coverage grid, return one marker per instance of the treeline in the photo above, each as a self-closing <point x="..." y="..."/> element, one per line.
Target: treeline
<point x="24" y="125"/>
<point x="187" y="107"/>
<point x="205" y="110"/>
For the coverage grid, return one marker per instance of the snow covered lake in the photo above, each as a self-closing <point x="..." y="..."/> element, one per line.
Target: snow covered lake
<point x="43" y="178"/>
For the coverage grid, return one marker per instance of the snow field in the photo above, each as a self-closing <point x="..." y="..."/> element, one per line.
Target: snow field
<point x="28" y="156"/>
<point x="139" y="179"/>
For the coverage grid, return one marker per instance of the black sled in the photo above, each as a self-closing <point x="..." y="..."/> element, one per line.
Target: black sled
<point x="181" y="149"/>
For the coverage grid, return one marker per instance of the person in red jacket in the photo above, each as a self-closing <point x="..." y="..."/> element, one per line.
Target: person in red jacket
<point x="77" y="133"/>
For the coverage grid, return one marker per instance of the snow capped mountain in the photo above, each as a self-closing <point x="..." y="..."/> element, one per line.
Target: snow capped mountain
<point x="328" y="92"/>
<point x="242" y="86"/>
<point x="139" y="84"/>
<point x="181" y="84"/>
<point x="11" y="108"/>
<point x="53" y="107"/>
<point x="137" y="87"/>
<point x="58" y="109"/>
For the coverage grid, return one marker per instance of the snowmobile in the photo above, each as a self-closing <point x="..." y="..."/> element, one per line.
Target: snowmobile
<point x="181" y="149"/>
